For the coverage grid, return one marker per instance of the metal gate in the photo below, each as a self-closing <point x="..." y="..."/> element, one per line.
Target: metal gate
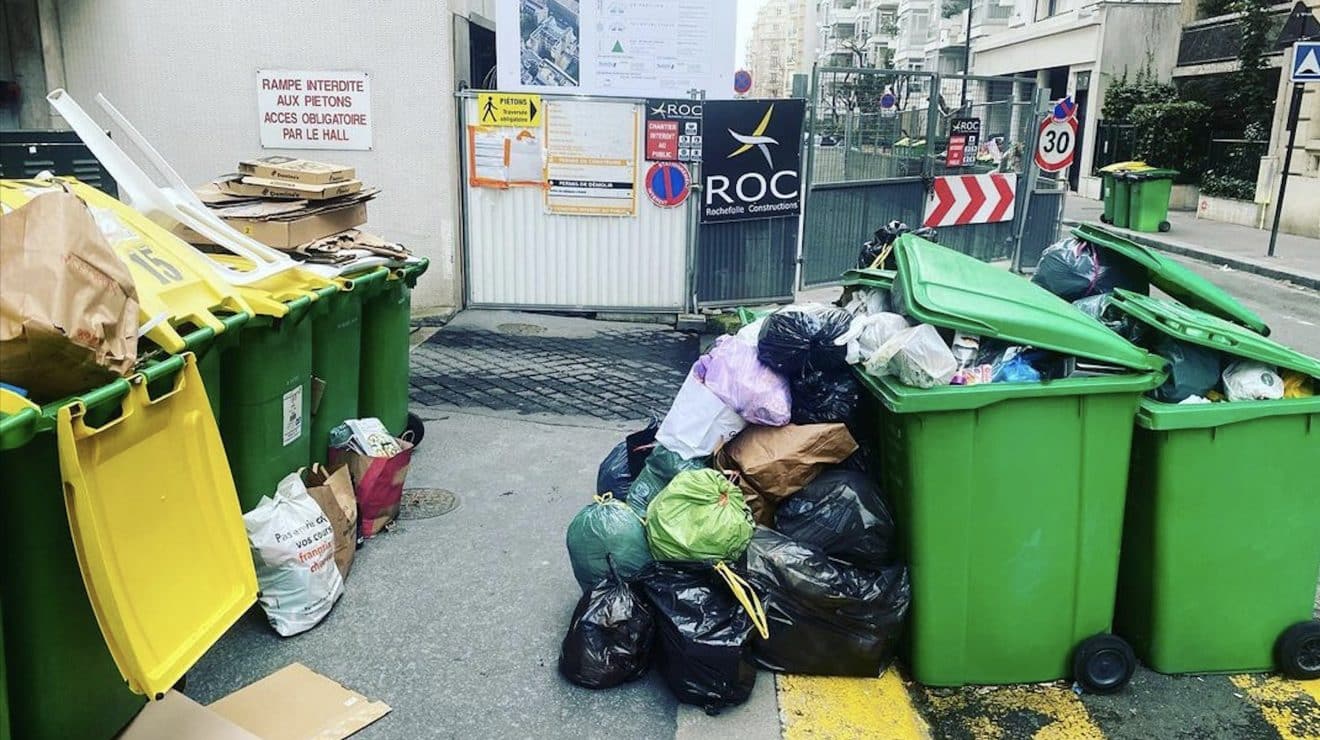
<point x="877" y="138"/>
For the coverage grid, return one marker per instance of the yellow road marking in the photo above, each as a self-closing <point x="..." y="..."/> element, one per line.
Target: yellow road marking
<point x="835" y="708"/>
<point x="1291" y="707"/>
<point x="983" y="710"/>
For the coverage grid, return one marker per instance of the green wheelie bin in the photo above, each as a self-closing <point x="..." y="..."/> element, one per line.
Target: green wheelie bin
<point x="386" y="311"/>
<point x="62" y="680"/>
<point x="1009" y="496"/>
<point x="266" y="387"/>
<point x="337" y="356"/>
<point x="1148" y="198"/>
<point x="1221" y="543"/>
<point x="1108" y="187"/>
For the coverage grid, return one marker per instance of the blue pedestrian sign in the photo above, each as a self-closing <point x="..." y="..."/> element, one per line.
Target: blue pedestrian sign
<point x="1306" y="61"/>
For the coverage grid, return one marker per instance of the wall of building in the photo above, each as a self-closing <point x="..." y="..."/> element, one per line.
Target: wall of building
<point x="185" y="74"/>
<point x="1300" y="215"/>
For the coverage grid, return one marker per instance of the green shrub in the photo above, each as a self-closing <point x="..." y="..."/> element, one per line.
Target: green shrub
<point x="1225" y="186"/>
<point x="1172" y="135"/>
<point x="1123" y="95"/>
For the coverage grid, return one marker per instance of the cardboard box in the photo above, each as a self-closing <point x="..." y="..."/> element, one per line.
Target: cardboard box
<point x="261" y="187"/>
<point x="296" y="703"/>
<point x="278" y="167"/>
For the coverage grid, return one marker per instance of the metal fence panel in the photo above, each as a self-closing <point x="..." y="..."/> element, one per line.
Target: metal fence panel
<point x="746" y="261"/>
<point x="839" y="219"/>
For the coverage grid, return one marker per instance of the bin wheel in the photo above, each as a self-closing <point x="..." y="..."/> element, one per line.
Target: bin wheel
<point x="1103" y="664"/>
<point x="414" y="430"/>
<point x="1105" y="219"/>
<point x="1165" y="226"/>
<point x="1297" y="652"/>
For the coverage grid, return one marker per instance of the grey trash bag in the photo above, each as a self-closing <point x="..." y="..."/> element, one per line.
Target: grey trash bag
<point x="1193" y="370"/>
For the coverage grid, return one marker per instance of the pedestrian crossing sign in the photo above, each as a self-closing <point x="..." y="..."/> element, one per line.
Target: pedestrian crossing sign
<point x="1306" y="61"/>
<point x="509" y="109"/>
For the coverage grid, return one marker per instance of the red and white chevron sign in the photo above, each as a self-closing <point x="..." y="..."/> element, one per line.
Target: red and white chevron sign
<point x="958" y="200"/>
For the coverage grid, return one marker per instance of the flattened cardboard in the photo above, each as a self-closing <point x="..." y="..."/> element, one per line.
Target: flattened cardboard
<point x="297" y="703"/>
<point x="266" y="188"/>
<point x="176" y="717"/>
<point x="292" y="232"/>
<point x="278" y="167"/>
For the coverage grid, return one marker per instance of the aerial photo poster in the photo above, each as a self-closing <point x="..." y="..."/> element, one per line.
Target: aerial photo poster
<point x="657" y="48"/>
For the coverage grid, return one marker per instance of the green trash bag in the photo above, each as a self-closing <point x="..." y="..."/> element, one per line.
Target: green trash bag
<point x="603" y="528"/>
<point x="699" y="516"/>
<point x="660" y="468"/>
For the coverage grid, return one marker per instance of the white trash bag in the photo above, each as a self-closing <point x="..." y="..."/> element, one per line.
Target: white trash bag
<point x="293" y="545"/>
<point x="698" y="422"/>
<point x="868" y="332"/>
<point x="917" y="356"/>
<point x="868" y="301"/>
<point x="1246" y="380"/>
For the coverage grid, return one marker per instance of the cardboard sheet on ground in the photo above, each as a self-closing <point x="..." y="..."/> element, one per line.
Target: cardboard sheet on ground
<point x="176" y="717"/>
<point x="297" y="703"/>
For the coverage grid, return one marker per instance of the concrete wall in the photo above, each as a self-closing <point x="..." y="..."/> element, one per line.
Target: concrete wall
<point x="1300" y="215"/>
<point x="185" y="74"/>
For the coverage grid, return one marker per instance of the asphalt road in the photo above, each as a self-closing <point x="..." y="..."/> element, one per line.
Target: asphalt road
<point x="1293" y="313"/>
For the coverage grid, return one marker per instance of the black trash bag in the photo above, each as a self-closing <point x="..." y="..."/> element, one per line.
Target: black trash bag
<point x="843" y="513"/>
<point x="609" y="637"/>
<point x="704" y="647"/>
<point x="799" y="337"/>
<point x="1072" y="269"/>
<point x="824" y="396"/>
<point x="616" y="471"/>
<point x="825" y="617"/>
<point x="1193" y="370"/>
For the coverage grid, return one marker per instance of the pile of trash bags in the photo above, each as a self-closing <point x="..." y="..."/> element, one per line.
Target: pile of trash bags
<point x="743" y="529"/>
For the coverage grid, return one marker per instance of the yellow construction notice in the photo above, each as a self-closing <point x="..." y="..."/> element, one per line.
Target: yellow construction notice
<point x="509" y="109"/>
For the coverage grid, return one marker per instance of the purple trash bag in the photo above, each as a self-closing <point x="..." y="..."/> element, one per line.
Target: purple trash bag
<point x="732" y="372"/>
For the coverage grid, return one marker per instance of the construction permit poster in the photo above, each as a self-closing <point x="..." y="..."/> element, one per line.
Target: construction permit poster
<point x="591" y="158"/>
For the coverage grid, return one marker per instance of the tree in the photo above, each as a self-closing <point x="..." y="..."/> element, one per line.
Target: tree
<point x="1253" y="95"/>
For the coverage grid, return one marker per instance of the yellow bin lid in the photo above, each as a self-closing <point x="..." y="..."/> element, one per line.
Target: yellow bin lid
<point x="173" y="281"/>
<point x="1125" y="167"/>
<point x="155" y="523"/>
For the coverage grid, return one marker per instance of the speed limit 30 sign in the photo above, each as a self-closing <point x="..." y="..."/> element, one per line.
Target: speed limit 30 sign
<point x="1056" y="142"/>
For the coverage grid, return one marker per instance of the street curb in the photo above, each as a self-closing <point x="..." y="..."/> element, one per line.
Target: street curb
<point x="1305" y="281"/>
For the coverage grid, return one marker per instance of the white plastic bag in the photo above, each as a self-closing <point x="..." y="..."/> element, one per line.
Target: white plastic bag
<point x="749" y="333"/>
<point x="698" y="422"/>
<point x="293" y="545"/>
<point x="1245" y="380"/>
<point x="917" y="356"/>
<point x="868" y="332"/>
<point x="868" y="301"/>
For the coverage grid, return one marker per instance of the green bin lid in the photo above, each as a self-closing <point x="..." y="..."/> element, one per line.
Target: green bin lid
<point x="1154" y="173"/>
<point x="1171" y="277"/>
<point x="1198" y="327"/>
<point x="869" y="277"/>
<point x="946" y="288"/>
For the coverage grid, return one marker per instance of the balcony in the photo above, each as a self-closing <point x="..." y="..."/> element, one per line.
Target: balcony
<point x="1218" y="39"/>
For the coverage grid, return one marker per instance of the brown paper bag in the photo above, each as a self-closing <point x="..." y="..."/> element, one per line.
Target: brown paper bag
<point x="776" y="462"/>
<point x="334" y="493"/>
<point x="379" y="485"/>
<point x="68" y="306"/>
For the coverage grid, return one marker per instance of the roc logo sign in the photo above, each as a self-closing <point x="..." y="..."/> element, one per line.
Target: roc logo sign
<point x="751" y="159"/>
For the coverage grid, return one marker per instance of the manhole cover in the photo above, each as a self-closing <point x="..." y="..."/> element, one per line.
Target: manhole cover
<point x="520" y="330"/>
<point x="424" y="503"/>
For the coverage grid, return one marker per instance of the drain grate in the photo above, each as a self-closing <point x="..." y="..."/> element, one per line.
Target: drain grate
<point x="425" y="503"/>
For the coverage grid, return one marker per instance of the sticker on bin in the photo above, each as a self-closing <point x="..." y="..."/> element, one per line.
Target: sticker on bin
<point x="293" y="415"/>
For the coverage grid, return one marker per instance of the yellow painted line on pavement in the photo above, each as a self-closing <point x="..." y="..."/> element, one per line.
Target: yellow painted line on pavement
<point x="1291" y="707"/>
<point x="836" y="708"/>
<point x="994" y="713"/>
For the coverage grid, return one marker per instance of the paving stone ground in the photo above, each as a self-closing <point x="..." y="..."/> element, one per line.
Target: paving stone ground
<point x="621" y="373"/>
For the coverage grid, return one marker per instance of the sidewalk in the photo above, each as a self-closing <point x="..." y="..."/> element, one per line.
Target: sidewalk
<point x="1296" y="258"/>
